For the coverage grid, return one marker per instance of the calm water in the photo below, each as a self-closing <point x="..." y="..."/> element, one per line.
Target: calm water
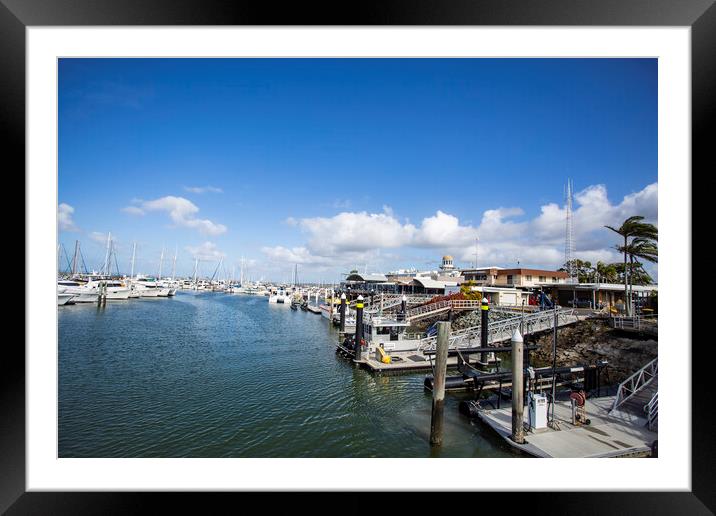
<point x="216" y="375"/>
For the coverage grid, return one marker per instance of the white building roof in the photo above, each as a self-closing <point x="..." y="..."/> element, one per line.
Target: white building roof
<point x="368" y="278"/>
<point x="429" y="282"/>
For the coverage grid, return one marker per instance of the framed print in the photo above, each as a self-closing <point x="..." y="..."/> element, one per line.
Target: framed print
<point x="294" y="251"/>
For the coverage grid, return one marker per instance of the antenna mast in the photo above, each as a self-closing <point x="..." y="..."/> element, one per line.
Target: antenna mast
<point x="476" y="240"/>
<point x="569" y="237"/>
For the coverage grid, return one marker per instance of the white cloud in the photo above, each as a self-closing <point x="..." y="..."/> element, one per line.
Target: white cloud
<point x="206" y="251"/>
<point x="64" y="217"/>
<point x="355" y="232"/>
<point x="100" y="238"/>
<point x="358" y="237"/>
<point x="203" y="189"/>
<point x="299" y="255"/>
<point x="182" y="212"/>
<point x="444" y="231"/>
<point x="133" y="210"/>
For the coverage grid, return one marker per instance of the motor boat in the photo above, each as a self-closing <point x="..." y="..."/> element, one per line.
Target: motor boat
<point x="64" y="298"/>
<point x="113" y="289"/>
<point x="79" y="291"/>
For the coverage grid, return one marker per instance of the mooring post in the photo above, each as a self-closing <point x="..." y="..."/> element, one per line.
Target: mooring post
<point x="330" y="307"/>
<point x="342" y="327"/>
<point x="403" y="305"/>
<point x="359" y="328"/>
<point x="554" y="361"/>
<point x="484" y="322"/>
<point x="441" y="354"/>
<point x="381" y="303"/>
<point x="518" y="431"/>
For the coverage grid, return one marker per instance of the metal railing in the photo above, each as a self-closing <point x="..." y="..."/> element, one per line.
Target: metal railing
<point x="635" y="383"/>
<point x="441" y="306"/>
<point x="503" y="330"/>
<point x="652" y="411"/>
<point x="395" y="300"/>
<point x="636" y="322"/>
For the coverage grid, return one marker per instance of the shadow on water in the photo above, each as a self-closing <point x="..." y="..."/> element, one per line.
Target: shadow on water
<point x="216" y="375"/>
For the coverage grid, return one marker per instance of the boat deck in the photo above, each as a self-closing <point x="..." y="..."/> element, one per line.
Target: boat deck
<point x="615" y="435"/>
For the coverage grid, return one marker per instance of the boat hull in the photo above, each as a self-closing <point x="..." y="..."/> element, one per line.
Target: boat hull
<point x="63" y="299"/>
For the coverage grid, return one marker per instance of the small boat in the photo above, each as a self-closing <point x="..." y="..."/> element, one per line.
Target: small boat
<point x="280" y="297"/>
<point x="294" y="306"/>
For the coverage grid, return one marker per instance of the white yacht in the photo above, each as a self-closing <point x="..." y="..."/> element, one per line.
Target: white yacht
<point x="79" y="290"/>
<point x="115" y="289"/>
<point x="64" y="298"/>
<point x="169" y="286"/>
<point x="147" y="287"/>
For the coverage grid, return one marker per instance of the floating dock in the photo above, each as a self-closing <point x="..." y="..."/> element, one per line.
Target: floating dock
<point x="620" y="434"/>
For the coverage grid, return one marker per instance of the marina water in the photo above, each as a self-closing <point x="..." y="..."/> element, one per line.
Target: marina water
<point x="218" y="375"/>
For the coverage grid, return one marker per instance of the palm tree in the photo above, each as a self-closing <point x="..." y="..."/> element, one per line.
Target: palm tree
<point x="644" y="248"/>
<point x="634" y="228"/>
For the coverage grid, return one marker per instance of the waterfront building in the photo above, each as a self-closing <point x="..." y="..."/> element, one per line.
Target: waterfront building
<point x="520" y="278"/>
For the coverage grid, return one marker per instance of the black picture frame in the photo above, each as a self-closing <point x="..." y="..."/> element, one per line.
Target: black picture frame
<point x="700" y="15"/>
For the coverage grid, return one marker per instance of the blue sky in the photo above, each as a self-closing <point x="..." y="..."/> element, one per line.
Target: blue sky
<point x="335" y="163"/>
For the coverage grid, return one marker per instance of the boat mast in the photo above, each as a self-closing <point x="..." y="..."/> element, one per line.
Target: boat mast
<point x="105" y="270"/>
<point x="161" y="262"/>
<point x="75" y="257"/>
<point x="174" y="262"/>
<point x="196" y="268"/>
<point x="134" y="253"/>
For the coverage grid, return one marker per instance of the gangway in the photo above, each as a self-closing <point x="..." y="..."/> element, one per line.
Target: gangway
<point x="440" y="307"/>
<point x="502" y="331"/>
<point x="638" y="395"/>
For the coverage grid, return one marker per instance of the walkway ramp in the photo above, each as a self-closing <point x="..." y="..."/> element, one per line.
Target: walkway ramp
<point x="502" y="331"/>
<point x="638" y="396"/>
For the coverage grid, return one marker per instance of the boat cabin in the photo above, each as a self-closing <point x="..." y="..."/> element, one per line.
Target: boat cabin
<point x="390" y="334"/>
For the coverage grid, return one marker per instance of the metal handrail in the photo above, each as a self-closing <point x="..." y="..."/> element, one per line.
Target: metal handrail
<point x="636" y="382"/>
<point x="652" y="411"/>
<point x="504" y="329"/>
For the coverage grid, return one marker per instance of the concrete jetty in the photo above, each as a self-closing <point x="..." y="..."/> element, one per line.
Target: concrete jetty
<point x="618" y="434"/>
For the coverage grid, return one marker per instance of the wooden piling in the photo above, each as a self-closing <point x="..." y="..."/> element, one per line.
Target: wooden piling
<point x="342" y="326"/>
<point x="484" y="327"/>
<point x="518" y="431"/>
<point x="359" y="328"/>
<point x="441" y="354"/>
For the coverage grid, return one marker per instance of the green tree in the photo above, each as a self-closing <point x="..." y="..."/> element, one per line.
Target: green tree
<point x="633" y="228"/>
<point x="583" y="269"/>
<point x="606" y="272"/>
<point x="468" y="293"/>
<point x="646" y="249"/>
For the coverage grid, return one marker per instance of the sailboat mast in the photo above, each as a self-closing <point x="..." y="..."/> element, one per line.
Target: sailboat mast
<point x="174" y="262"/>
<point x="134" y="254"/>
<point x="105" y="270"/>
<point x="75" y="257"/>
<point x="161" y="262"/>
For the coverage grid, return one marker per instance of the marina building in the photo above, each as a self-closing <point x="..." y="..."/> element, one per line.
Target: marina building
<point x="530" y="278"/>
<point x="501" y="286"/>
